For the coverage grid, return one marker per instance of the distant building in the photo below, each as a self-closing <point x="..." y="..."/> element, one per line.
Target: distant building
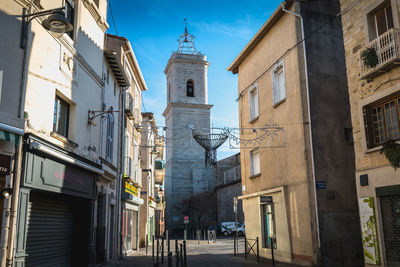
<point x="300" y="197"/>
<point x="371" y="28"/>
<point x="187" y="105"/>
<point x="228" y="185"/>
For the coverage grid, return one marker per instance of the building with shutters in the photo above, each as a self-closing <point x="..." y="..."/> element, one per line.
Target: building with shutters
<point x="372" y="28"/>
<point x="299" y="197"/>
<point x="186" y="173"/>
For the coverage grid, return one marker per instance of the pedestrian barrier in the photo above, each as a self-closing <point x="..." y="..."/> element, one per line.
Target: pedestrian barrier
<point x="212" y="236"/>
<point x="251" y="243"/>
<point x="158" y="252"/>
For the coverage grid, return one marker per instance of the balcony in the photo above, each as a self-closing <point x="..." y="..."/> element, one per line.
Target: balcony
<point x="129" y="110"/>
<point x="387" y="47"/>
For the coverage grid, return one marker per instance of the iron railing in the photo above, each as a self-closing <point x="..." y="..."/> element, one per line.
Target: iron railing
<point x="387" y="47"/>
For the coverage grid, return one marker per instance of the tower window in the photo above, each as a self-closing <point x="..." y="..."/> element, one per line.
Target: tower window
<point x="190" y="88"/>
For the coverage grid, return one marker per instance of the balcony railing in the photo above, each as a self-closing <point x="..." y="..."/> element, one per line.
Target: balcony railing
<point x="387" y="47"/>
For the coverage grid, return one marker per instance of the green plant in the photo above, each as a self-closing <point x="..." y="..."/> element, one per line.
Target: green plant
<point x="392" y="152"/>
<point x="369" y="57"/>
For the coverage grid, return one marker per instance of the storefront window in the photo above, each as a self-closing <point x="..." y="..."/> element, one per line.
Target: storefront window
<point x="268" y="226"/>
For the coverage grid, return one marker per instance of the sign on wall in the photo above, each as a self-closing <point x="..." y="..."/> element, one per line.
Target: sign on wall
<point x="368" y="230"/>
<point x="5" y="163"/>
<point x="131" y="189"/>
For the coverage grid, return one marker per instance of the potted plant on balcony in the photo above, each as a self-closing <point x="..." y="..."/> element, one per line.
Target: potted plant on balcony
<point x="391" y="149"/>
<point x="369" y="57"/>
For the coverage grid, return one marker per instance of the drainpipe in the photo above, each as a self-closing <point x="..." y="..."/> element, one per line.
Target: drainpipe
<point x="14" y="204"/>
<point x="121" y="166"/>
<point x="309" y="118"/>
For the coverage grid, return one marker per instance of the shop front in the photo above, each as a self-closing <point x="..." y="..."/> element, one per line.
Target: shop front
<point x="55" y="225"/>
<point x="130" y="217"/>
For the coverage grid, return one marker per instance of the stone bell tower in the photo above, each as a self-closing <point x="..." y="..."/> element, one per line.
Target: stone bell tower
<point x="185" y="170"/>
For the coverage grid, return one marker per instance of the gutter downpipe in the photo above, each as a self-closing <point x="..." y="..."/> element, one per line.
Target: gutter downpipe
<point x="119" y="187"/>
<point x="9" y="258"/>
<point x="309" y="120"/>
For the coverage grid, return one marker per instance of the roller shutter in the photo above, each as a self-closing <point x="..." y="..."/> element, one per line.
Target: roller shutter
<point x="49" y="235"/>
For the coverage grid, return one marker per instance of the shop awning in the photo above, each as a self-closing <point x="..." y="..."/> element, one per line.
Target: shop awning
<point x="9" y="137"/>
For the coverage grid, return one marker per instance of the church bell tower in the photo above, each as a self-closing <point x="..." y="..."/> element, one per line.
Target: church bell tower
<point x="187" y="107"/>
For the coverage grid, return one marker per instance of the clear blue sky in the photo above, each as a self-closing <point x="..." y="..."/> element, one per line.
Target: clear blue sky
<point x="222" y="29"/>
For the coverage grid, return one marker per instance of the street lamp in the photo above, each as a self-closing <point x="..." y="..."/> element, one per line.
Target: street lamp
<point x="56" y="23"/>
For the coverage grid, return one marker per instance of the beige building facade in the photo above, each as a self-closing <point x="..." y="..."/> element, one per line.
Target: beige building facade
<point x="373" y="27"/>
<point x="298" y="197"/>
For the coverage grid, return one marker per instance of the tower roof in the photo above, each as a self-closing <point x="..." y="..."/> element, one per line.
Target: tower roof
<point x="186" y="43"/>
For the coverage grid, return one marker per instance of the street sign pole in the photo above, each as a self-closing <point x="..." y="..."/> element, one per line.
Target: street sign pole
<point x="235" y="202"/>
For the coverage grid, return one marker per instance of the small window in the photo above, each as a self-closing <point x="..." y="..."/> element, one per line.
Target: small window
<point x="254" y="163"/>
<point x="278" y="84"/>
<point x="268" y="226"/>
<point x="70" y="14"/>
<point x="190" y="88"/>
<point x="110" y="137"/>
<point x="381" y="121"/>
<point x="253" y="103"/>
<point x="61" y="117"/>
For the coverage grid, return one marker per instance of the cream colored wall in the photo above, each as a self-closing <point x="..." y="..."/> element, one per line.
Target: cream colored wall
<point x="284" y="166"/>
<point x="80" y="86"/>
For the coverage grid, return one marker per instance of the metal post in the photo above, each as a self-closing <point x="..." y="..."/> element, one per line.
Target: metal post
<point x="204" y="235"/>
<point x="181" y="253"/>
<point x="184" y="253"/>
<point x="234" y="246"/>
<point x="162" y="250"/>
<point x="245" y="247"/>
<point x="198" y="232"/>
<point x="169" y="258"/>
<point x="184" y="234"/>
<point x="176" y="253"/>
<point x="158" y="245"/>
<point x="152" y="248"/>
<point x="258" y="251"/>
<point x="272" y="252"/>
<point x="168" y="244"/>
<point x="208" y="237"/>
<point x="147" y="243"/>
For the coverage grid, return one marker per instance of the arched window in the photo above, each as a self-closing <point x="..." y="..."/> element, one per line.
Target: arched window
<point x="190" y="88"/>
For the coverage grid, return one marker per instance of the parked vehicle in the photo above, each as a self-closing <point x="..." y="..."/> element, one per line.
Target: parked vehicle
<point x="228" y="228"/>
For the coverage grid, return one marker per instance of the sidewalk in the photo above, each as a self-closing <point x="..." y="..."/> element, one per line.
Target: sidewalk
<point x="219" y="254"/>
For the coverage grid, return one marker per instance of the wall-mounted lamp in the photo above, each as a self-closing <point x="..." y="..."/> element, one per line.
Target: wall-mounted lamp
<point x="6" y="193"/>
<point x="57" y="23"/>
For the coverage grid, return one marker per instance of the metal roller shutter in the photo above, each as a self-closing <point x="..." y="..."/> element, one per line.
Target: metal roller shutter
<point x="49" y="235"/>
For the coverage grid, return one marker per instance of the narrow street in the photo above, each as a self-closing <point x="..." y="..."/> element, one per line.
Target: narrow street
<point x="202" y="255"/>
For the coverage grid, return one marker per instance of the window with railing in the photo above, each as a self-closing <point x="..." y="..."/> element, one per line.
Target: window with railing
<point x="381" y="121"/>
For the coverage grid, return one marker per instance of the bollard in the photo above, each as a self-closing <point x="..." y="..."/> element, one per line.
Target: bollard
<point x="181" y="253"/>
<point x="258" y="251"/>
<point x="184" y="254"/>
<point x="146" y="242"/>
<point x="234" y="246"/>
<point x="158" y="245"/>
<point x="204" y="235"/>
<point x="170" y="259"/>
<point x="162" y="250"/>
<point x="176" y="253"/>
<point x="168" y="245"/>
<point x="245" y="247"/>
<point x="152" y="249"/>
<point x="272" y="252"/>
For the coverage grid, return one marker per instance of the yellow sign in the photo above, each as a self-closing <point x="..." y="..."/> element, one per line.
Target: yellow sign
<point x="131" y="189"/>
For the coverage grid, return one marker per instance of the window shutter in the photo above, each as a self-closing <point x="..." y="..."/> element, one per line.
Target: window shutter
<point x="274" y="88"/>
<point x="256" y="111"/>
<point x="368" y="127"/>
<point x="282" y="87"/>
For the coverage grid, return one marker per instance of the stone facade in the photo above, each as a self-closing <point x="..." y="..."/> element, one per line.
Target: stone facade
<point x="185" y="170"/>
<point x="382" y="180"/>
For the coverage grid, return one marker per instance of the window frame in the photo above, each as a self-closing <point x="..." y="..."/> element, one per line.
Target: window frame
<point x="187" y="88"/>
<point x="367" y="113"/>
<point x="370" y="30"/>
<point x="71" y="18"/>
<point x="110" y="137"/>
<point x="279" y="66"/>
<point x="252" y="171"/>
<point x="57" y="102"/>
<point x="253" y="94"/>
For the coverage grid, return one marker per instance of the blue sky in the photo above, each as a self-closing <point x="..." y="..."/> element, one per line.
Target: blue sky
<point x="222" y="29"/>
